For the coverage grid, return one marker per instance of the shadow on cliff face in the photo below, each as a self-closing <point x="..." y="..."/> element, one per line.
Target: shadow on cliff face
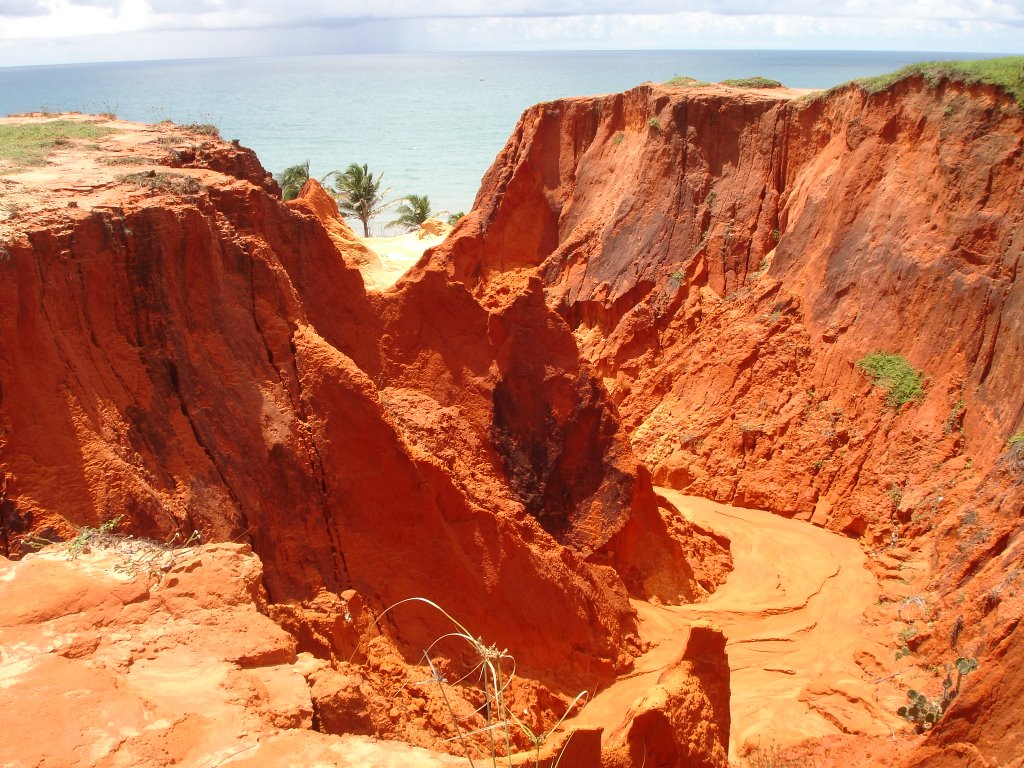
<point x="554" y="429"/>
<point x="553" y="467"/>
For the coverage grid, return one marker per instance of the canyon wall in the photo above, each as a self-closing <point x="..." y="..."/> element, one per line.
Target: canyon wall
<point x="726" y="257"/>
<point x="180" y="349"/>
<point x="672" y="285"/>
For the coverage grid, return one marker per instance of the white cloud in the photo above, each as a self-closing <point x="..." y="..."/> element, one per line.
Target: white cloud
<point x="95" y="29"/>
<point x="729" y="31"/>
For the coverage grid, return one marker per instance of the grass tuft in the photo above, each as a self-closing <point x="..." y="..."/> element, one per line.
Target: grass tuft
<point x="895" y="374"/>
<point x="494" y="670"/>
<point x="30" y="143"/>
<point x="204" y="129"/>
<point x="164" y="182"/>
<point x="1006" y="73"/>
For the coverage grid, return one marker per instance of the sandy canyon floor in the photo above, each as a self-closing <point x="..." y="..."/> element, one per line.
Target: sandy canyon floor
<point x="794" y="614"/>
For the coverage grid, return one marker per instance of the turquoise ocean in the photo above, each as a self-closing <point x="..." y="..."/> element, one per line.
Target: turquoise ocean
<point x="432" y="123"/>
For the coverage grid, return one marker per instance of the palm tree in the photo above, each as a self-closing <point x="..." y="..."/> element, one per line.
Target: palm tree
<point x="414" y="210"/>
<point x="359" y="194"/>
<point x="291" y="180"/>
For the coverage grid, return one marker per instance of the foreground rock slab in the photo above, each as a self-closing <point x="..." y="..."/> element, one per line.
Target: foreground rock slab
<point x="112" y="659"/>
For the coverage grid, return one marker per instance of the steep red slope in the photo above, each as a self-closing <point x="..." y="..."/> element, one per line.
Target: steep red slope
<point x="181" y="348"/>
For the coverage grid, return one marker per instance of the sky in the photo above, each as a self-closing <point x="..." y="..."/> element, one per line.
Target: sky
<point x="65" y="31"/>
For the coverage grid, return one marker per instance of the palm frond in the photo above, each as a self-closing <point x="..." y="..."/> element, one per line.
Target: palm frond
<point x="291" y="180"/>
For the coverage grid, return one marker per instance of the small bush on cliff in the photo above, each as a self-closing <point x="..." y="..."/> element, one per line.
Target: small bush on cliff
<point x="895" y="374"/>
<point x="30" y="143"/>
<point x="753" y="82"/>
<point x="203" y="129"/>
<point x="923" y="713"/>
<point x="1006" y="73"/>
<point x="175" y="183"/>
<point x="770" y="756"/>
<point x="1016" y="440"/>
<point x="133" y="555"/>
<point x="682" y="81"/>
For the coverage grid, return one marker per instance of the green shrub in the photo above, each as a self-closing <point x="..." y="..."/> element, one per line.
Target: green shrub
<point x="923" y="712"/>
<point x="753" y="82"/>
<point x="682" y="81"/>
<point x="895" y="374"/>
<point x="654" y="123"/>
<point x="176" y="183"/>
<point x="1016" y="440"/>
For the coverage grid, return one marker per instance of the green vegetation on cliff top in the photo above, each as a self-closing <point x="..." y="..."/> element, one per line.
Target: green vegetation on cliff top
<point x="29" y="143"/>
<point x="753" y="82"/>
<point x="683" y="81"/>
<point x="1006" y="73"/>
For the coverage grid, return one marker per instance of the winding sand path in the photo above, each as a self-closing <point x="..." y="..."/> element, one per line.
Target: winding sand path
<point x="792" y="612"/>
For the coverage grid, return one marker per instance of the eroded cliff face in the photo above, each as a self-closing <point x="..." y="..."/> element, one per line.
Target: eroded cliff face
<point x="684" y="276"/>
<point x="725" y="258"/>
<point x="182" y="349"/>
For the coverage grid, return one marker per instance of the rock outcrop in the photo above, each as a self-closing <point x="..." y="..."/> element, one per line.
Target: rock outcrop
<point x="133" y="654"/>
<point x="684" y="719"/>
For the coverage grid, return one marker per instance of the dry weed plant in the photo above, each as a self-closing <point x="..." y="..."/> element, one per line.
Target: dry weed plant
<point x="494" y="670"/>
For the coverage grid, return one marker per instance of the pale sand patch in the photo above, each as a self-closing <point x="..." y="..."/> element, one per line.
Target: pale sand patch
<point x="398" y="254"/>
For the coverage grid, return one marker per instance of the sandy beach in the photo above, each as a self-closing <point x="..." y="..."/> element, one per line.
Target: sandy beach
<point x="397" y="253"/>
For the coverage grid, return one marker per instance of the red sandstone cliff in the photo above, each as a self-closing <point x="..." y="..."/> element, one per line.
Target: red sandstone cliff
<point x="181" y="348"/>
<point x="188" y="350"/>
<point x="726" y="257"/>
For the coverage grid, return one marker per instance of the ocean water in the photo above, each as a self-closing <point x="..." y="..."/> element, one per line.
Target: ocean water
<point x="432" y="123"/>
